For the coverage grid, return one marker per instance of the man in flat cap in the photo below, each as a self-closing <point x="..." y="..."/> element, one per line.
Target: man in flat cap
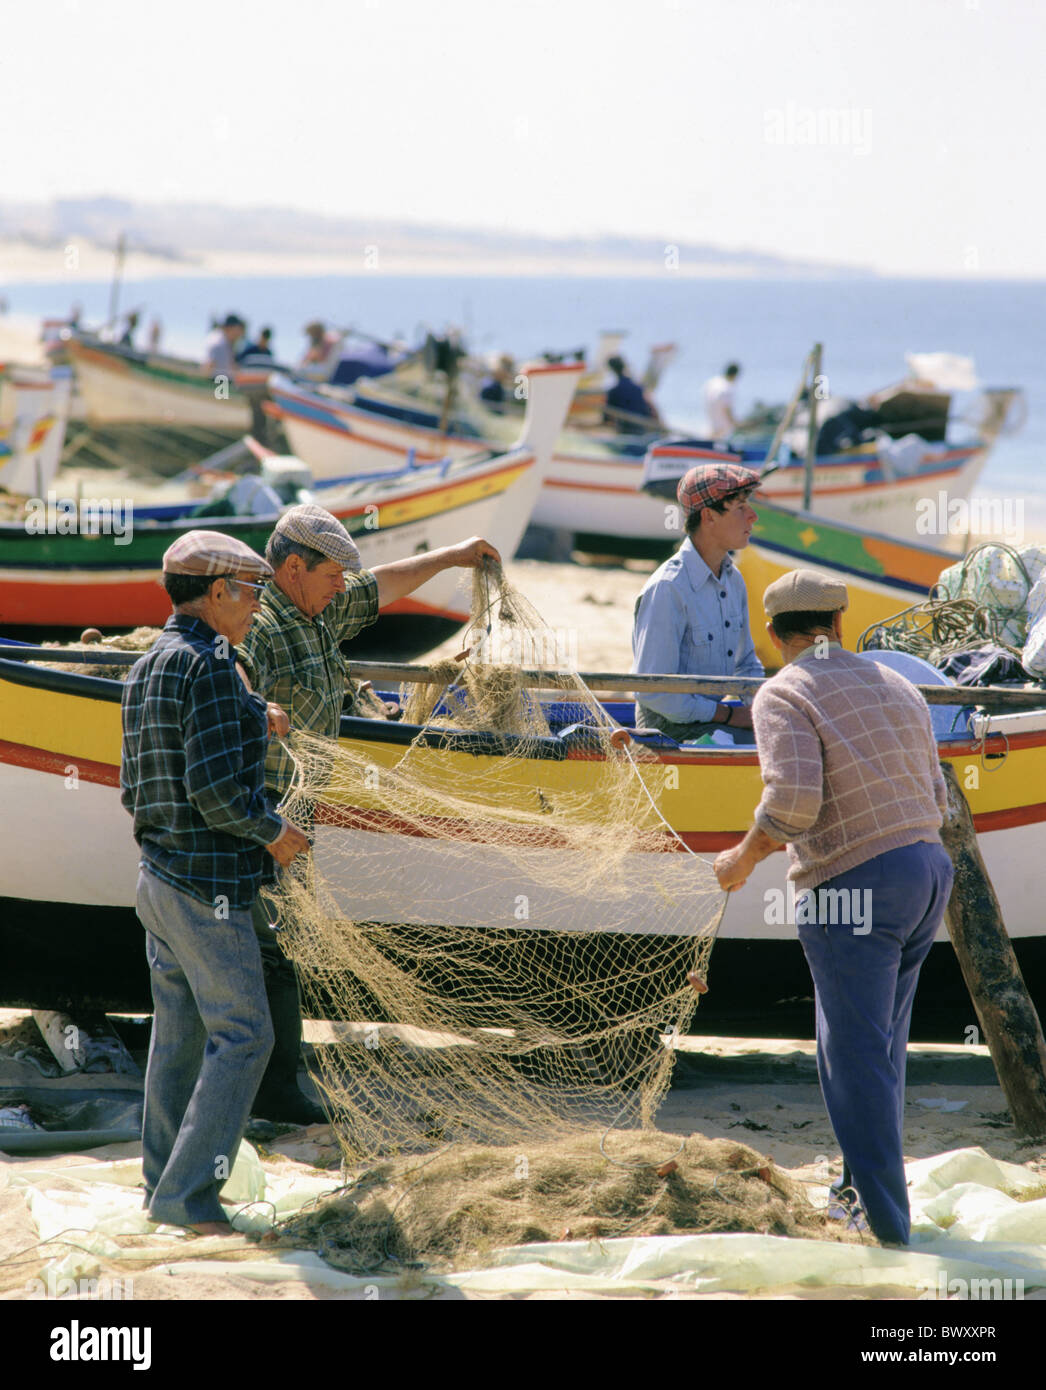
<point x="319" y="598"/>
<point x="691" y="618"/>
<point x="852" y="784"/>
<point x="192" y="777"/>
<point x="219" y="356"/>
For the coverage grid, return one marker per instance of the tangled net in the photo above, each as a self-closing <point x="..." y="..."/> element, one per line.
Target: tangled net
<point x="497" y="919"/>
<point x="447" y="1210"/>
<point x="140" y="640"/>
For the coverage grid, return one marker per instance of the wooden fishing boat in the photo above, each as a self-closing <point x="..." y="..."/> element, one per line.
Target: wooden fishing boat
<point x="68" y="933"/>
<point x="34" y="411"/>
<point x="122" y="386"/>
<point x="99" y="565"/>
<point x="882" y="574"/>
<point x="591" y="490"/>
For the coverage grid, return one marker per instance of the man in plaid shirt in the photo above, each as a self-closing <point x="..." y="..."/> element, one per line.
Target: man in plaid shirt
<point x="192" y="778"/>
<point x="320" y="597"/>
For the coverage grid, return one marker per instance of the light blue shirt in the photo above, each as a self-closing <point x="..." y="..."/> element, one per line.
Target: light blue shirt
<point x="689" y="623"/>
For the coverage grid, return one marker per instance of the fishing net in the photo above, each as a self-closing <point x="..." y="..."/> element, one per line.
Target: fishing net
<point x="984" y="598"/>
<point x="505" y="889"/>
<point x="457" y="1206"/>
<point x="140" y="640"/>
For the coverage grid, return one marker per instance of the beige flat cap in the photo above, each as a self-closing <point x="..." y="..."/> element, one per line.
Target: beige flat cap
<point x="805" y="591"/>
<point x="211" y="552"/>
<point x="310" y="525"/>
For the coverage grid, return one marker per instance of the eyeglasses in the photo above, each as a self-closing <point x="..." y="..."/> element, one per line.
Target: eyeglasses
<point x="259" y="589"/>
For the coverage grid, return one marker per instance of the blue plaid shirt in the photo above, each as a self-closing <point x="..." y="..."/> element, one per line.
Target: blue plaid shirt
<point x="193" y="766"/>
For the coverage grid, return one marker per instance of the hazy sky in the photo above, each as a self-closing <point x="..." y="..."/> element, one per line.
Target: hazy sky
<point x="907" y="135"/>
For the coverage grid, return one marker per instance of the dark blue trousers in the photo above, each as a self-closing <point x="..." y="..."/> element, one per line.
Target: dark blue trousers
<point x="864" y="984"/>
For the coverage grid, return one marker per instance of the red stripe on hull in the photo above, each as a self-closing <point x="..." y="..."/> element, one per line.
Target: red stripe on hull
<point x="58" y="764"/>
<point x="118" y="603"/>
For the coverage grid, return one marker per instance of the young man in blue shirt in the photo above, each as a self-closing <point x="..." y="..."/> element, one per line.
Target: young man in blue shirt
<point x="691" y="618"/>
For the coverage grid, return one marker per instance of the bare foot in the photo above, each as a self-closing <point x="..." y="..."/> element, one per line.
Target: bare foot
<point x="211" y="1228"/>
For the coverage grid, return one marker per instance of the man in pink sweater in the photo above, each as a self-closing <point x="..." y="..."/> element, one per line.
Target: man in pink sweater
<point x="853" y="786"/>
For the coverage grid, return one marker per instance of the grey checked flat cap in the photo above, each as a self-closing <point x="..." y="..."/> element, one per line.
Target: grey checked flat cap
<point x="213" y="553"/>
<point x="805" y="591"/>
<point x="310" y="525"/>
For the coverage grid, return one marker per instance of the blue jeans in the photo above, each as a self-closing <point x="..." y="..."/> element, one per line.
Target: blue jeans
<point x="211" y="1039"/>
<point x="864" y="985"/>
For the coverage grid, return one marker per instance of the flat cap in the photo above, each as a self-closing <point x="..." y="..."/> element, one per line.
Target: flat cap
<point x="712" y="482"/>
<point x="310" y="525"/>
<point x="805" y="591"/>
<point x="211" y="552"/>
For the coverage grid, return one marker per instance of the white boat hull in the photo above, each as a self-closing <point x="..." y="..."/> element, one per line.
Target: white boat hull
<point x="121" y="397"/>
<point x="384" y="877"/>
<point x="592" y="489"/>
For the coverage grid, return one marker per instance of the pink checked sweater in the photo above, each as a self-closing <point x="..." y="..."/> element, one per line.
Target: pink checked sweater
<point x="849" y="763"/>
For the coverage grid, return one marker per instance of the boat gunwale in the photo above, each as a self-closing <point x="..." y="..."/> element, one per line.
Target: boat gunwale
<point x="549" y="748"/>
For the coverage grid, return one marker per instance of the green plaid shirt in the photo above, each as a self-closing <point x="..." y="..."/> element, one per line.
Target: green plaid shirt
<point x="296" y="662"/>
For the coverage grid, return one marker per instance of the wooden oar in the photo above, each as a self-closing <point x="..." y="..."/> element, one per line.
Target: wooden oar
<point x="716" y="687"/>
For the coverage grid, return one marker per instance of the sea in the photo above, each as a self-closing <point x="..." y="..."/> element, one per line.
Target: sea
<point x="865" y="324"/>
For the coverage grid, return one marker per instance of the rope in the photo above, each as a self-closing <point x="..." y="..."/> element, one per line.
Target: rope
<point x="943" y="625"/>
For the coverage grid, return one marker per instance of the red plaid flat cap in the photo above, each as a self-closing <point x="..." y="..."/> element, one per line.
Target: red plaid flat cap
<point x="711" y="482"/>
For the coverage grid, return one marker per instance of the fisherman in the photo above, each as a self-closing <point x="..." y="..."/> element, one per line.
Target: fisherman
<point x="319" y="598"/>
<point x="627" y="406"/>
<point x="220" y="348"/>
<point x="691" y="618"/>
<point x="192" y="777"/>
<point x="493" y="389"/>
<point x="324" y="347"/>
<point x="719" y="402"/>
<point x="261" y="349"/>
<point x="126" y="339"/>
<point x="853" y="786"/>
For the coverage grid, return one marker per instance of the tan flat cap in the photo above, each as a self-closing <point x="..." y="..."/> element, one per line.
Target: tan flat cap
<point x="805" y="591"/>
<point x="310" y="525"/>
<point x="211" y="552"/>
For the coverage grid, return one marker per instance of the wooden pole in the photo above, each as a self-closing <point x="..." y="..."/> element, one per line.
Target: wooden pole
<point x="1007" y="1016"/>
<point x="114" y="288"/>
<point x="811" y="429"/>
<point x="624" y="681"/>
<point x="768" y="465"/>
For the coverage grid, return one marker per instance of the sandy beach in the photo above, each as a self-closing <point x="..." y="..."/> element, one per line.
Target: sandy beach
<point x="79" y="261"/>
<point x="762" y="1094"/>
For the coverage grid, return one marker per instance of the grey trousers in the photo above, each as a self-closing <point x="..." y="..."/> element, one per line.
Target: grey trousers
<point x="211" y="1039"/>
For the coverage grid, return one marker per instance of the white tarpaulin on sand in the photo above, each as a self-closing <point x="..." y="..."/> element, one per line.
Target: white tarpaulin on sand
<point x="974" y="1219"/>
